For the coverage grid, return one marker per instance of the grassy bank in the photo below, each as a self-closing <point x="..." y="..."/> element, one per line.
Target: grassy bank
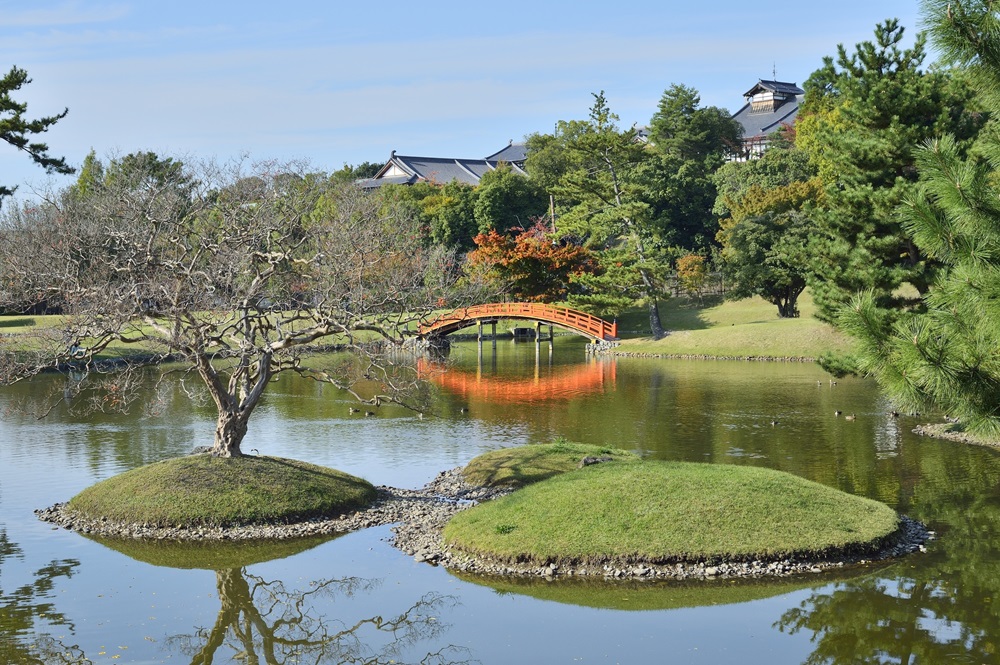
<point x="669" y="512"/>
<point x="208" y="491"/>
<point x="735" y="329"/>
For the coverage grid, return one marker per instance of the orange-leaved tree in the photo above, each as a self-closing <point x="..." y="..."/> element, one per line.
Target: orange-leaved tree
<point x="530" y="265"/>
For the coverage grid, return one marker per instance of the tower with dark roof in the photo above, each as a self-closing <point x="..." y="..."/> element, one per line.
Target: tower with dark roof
<point x="769" y="105"/>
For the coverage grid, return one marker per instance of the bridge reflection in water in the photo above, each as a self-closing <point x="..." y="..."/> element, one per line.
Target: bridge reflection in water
<point x="560" y="382"/>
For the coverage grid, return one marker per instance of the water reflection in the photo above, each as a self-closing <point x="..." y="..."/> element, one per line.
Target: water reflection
<point x="210" y="555"/>
<point x="28" y="613"/>
<point x="268" y="621"/>
<point x="560" y="382"/>
<point x="893" y="620"/>
<point x="61" y="596"/>
<point x="644" y="595"/>
<point x="264" y="621"/>
<point x="937" y="608"/>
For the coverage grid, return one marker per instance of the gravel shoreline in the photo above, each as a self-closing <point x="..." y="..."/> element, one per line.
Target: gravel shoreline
<point x="419" y="516"/>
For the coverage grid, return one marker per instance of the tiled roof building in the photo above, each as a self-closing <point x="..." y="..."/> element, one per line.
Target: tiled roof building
<point x="406" y="170"/>
<point x="770" y="104"/>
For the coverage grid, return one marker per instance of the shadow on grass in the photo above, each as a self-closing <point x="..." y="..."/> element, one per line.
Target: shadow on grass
<point x="686" y="313"/>
<point x="525" y="465"/>
<point x="681" y="313"/>
<point x="17" y="323"/>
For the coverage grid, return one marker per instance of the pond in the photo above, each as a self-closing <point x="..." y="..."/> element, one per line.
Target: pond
<point x="68" y="598"/>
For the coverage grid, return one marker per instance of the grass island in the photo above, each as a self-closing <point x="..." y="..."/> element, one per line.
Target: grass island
<point x="541" y="509"/>
<point x="206" y="491"/>
<point x="671" y="512"/>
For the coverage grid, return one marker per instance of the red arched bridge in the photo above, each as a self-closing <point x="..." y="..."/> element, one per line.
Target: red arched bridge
<point x="585" y="324"/>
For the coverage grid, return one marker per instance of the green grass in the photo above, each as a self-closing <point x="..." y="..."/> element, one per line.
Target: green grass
<point x="733" y="329"/>
<point x="523" y="465"/>
<point x="45" y="332"/>
<point x="669" y="512"/>
<point x="203" y="490"/>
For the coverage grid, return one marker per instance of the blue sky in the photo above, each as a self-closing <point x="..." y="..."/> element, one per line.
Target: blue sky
<point x="336" y="83"/>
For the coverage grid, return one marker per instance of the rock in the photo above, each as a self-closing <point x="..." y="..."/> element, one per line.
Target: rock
<point x="587" y="461"/>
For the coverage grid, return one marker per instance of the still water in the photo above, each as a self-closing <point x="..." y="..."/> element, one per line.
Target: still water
<point x="65" y="598"/>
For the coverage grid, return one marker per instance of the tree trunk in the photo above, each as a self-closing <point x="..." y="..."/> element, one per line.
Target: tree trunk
<point x="787" y="309"/>
<point x="234" y="413"/>
<point x="655" y="325"/>
<point x="230" y="429"/>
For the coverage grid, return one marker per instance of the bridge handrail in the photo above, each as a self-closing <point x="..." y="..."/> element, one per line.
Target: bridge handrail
<point x="575" y="319"/>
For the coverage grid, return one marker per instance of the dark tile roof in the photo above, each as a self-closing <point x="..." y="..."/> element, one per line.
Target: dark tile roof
<point x="761" y="121"/>
<point x="434" y="169"/>
<point x="372" y="183"/>
<point x="775" y="86"/>
<point x="515" y="153"/>
<point x="757" y="124"/>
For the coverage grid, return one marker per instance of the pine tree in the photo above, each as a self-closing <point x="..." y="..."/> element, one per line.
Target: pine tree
<point x="947" y="357"/>
<point x="602" y="205"/>
<point x="18" y="131"/>
<point x="689" y="143"/>
<point x="862" y="119"/>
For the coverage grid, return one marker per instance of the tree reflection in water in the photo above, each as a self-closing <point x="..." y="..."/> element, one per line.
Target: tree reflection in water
<point x="25" y="610"/>
<point x="939" y="607"/>
<point x="264" y="622"/>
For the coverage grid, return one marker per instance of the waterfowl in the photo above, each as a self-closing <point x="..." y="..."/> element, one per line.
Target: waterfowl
<point x="369" y="413"/>
<point x="838" y="412"/>
<point x="353" y="410"/>
<point x="774" y="423"/>
<point x="850" y="417"/>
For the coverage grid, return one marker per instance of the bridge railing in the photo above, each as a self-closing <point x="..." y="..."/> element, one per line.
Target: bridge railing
<point x="583" y="322"/>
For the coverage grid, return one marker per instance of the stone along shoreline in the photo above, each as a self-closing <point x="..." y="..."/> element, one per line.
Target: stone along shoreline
<point x="420" y="515"/>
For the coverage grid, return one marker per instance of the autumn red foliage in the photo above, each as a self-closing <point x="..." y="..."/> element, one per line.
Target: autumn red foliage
<point x="530" y="264"/>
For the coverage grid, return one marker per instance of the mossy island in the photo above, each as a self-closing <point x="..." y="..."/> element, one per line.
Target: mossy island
<point x="559" y="509"/>
<point x="671" y="512"/>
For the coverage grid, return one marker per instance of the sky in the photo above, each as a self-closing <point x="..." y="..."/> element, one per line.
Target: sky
<point x="339" y="83"/>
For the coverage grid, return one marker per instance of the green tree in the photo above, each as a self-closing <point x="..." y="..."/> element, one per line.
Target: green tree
<point x="689" y="144"/>
<point x="446" y="212"/>
<point x="148" y="170"/>
<point x="767" y="205"/>
<point x="863" y="116"/>
<point x="765" y="256"/>
<point x="946" y="356"/>
<point x="506" y="200"/>
<point x="601" y="204"/>
<point x="18" y="131"/>
<point x="350" y="173"/>
<point x="549" y="159"/>
<point x="91" y="175"/>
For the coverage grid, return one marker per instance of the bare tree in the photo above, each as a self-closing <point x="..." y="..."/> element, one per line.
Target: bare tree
<point x="235" y="271"/>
